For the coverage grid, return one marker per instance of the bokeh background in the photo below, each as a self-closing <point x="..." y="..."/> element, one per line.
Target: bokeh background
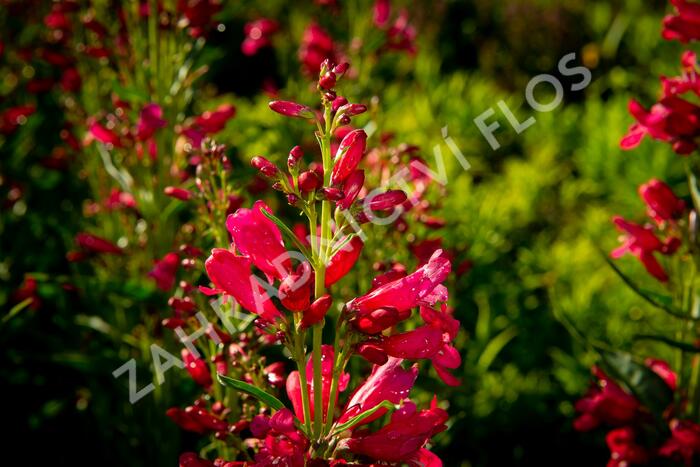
<point x="532" y="218"/>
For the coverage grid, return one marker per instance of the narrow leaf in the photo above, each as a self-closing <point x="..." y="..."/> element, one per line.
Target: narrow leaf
<point x="659" y="301"/>
<point x="291" y="236"/>
<point x="16" y="309"/>
<point x="268" y="399"/>
<point x="385" y="405"/>
<point x="494" y="347"/>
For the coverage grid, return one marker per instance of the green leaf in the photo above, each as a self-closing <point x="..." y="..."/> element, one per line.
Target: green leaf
<point x="648" y="387"/>
<point x="16" y="309"/>
<point x="268" y="399"/>
<point x="494" y="347"/>
<point x="658" y="300"/>
<point x="686" y="347"/>
<point x="694" y="192"/>
<point x="384" y="405"/>
<point x="288" y="234"/>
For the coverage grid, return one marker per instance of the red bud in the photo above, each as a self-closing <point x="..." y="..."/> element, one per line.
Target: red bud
<point x="178" y="193"/>
<point x="266" y="167"/>
<point x="291" y="109"/>
<point x="309" y="181"/>
<point x="317" y="311"/>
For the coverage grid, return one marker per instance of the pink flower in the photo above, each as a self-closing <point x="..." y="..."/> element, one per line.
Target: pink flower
<point x="197" y="368"/>
<point x="403" y="437"/>
<point x="351" y="188"/>
<point x="258" y="35"/>
<point x="213" y="121"/>
<point x="348" y="156"/>
<point x="199" y="14"/>
<point x="605" y="403"/>
<point x="387" y="382"/>
<point x="177" y="193"/>
<point x="291" y="109"/>
<point x="663" y="369"/>
<point x="150" y="120"/>
<point x="165" y="270"/>
<point x="342" y="262"/>
<point x="662" y="204"/>
<point x="294" y="384"/>
<point x="257" y="237"/>
<point x="382" y="9"/>
<point x="118" y="199"/>
<point x="642" y="242"/>
<point x="624" y="450"/>
<point x="684" y="443"/>
<point x="316" y="46"/>
<point x="685" y="25"/>
<point x="231" y="274"/>
<point x="96" y="245"/>
<point x="104" y="135"/>
<point x="421" y="287"/>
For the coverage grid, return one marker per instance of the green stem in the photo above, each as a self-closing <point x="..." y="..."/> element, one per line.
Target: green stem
<point x="300" y="357"/>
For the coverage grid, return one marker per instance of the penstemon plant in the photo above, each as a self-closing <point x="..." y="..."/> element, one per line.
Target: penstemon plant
<point x="651" y="406"/>
<point x="295" y="306"/>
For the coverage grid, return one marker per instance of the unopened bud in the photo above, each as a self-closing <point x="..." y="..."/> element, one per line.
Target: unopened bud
<point x="266" y="167"/>
<point x="309" y="181"/>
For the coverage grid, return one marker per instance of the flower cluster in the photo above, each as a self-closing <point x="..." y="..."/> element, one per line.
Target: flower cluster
<point x="285" y="278"/>
<point x="608" y="404"/>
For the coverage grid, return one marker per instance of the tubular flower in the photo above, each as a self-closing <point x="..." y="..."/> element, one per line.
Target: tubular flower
<point x="150" y="120"/>
<point x="342" y="262"/>
<point x="403" y="437"/>
<point x="662" y="204"/>
<point x="395" y="298"/>
<point x="258" y="35"/>
<point x="164" y="271"/>
<point x="197" y="368"/>
<point x="685" y="25"/>
<point x="605" y="403"/>
<point x="316" y="46"/>
<point x="294" y="384"/>
<point x="348" y="155"/>
<point x="387" y="382"/>
<point x="231" y="275"/>
<point x="642" y="242"/>
<point x="95" y="245"/>
<point x="104" y="135"/>
<point x="684" y="443"/>
<point x="257" y="237"/>
<point x="291" y="109"/>
<point x="624" y="449"/>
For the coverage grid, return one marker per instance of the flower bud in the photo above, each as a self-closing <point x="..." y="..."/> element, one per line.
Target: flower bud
<point x="317" y="311"/>
<point x="341" y="68"/>
<point x="351" y="188"/>
<point x="291" y="109"/>
<point x="330" y="95"/>
<point x="292" y="199"/>
<point x="344" y="120"/>
<point x="308" y="181"/>
<point x="662" y="203"/>
<point x="178" y="193"/>
<point x="372" y="353"/>
<point x="338" y="102"/>
<point x="332" y="194"/>
<point x="295" y="291"/>
<point x="327" y="81"/>
<point x="354" y="109"/>
<point x="348" y="155"/>
<point x="295" y="155"/>
<point x="266" y="167"/>
<point x="386" y="201"/>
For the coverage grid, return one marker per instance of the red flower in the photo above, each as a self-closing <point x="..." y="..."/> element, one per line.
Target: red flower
<point x="93" y="244"/>
<point x="348" y="155"/>
<point x="624" y="451"/>
<point x="190" y="459"/>
<point x="199" y="14"/>
<point x="684" y="443"/>
<point x="177" y="193"/>
<point x="642" y="242"/>
<point x="13" y="117"/>
<point x="214" y="121"/>
<point x="231" y="275"/>
<point x="291" y="109"/>
<point x="605" y="403"/>
<point x="317" y="311"/>
<point x="105" y="135"/>
<point x="403" y="437"/>
<point x="197" y="368"/>
<point x="351" y="188"/>
<point x="423" y="287"/>
<point x="664" y="371"/>
<point x="662" y="204"/>
<point x="387" y="382"/>
<point x="258" y="35"/>
<point x="342" y="262"/>
<point x="150" y="120"/>
<point x="165" y="270"/>
<point x="294" y="384"/>
<point x="685" y="25"/>
<point x="196" y="419"/>
<point x="316" y="46"/>
<point x="257" y="237"/>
